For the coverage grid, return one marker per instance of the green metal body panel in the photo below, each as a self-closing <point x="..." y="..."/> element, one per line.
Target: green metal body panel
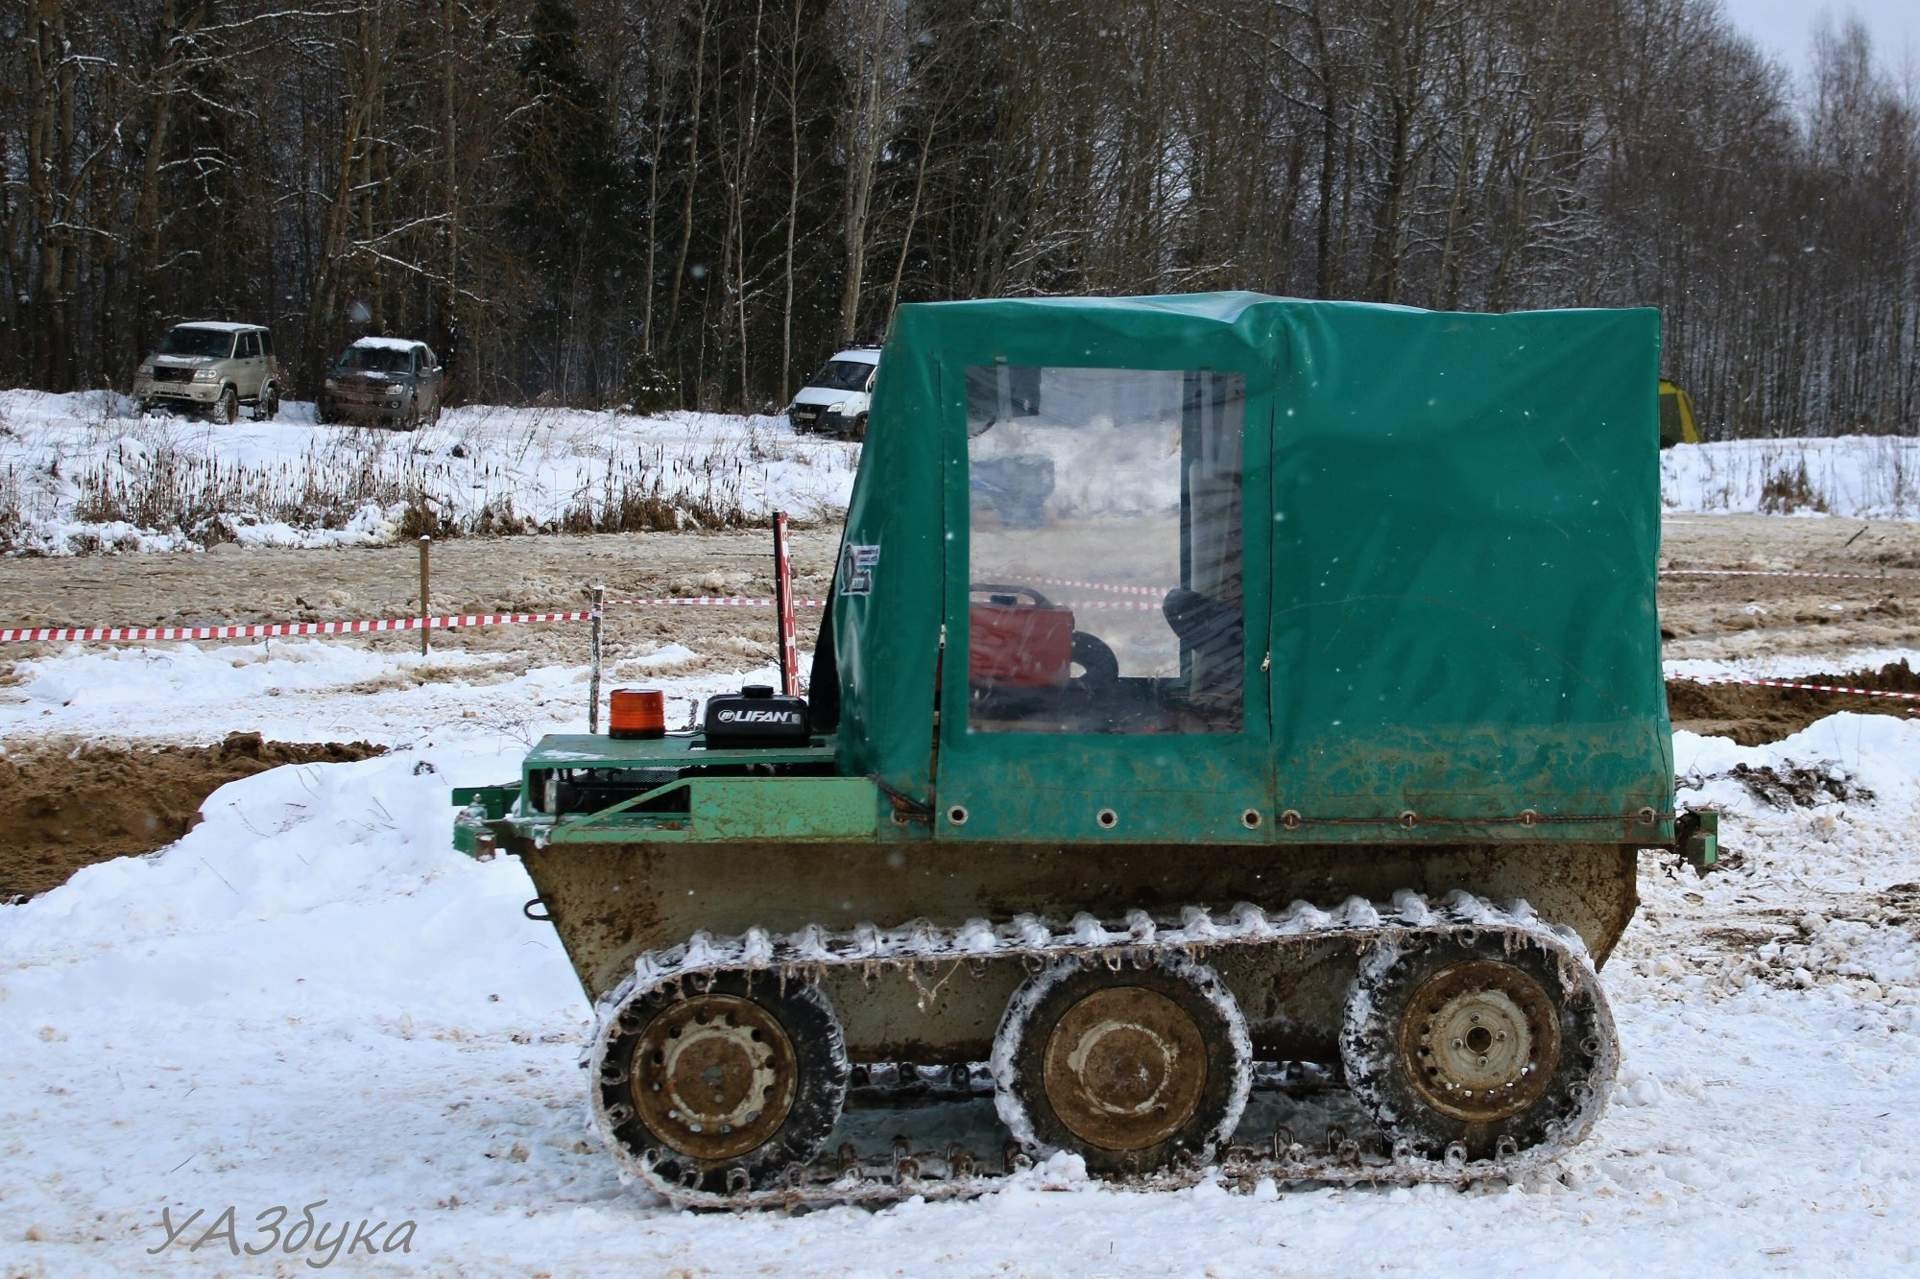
<point x="734" y="810"/>
<point x="778" y="802"/>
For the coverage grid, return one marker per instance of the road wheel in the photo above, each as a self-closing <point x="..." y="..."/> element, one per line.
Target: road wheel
<point x="1474" y="1043"/>
<point x="735" y="1083"/>
<point x="269" y="406"/>
<point x="410" y="420"/>
<point x="322" y="412"/>
<point x="433" y="418"/>
<point x="857" y="430"/>
<point x="227" y="410"/>
<point x="1127" y="1069"/>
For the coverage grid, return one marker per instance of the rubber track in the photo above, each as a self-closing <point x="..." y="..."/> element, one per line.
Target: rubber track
<point x="916" y="950"/>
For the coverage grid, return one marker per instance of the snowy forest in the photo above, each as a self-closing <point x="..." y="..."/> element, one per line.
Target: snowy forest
<point x="693" y="202"/>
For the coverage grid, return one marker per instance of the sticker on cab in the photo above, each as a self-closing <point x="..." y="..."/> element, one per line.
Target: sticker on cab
<point x="856" y="569"/>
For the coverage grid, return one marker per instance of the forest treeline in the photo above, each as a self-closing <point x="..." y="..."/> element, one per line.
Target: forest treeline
<point x="695" y="201"/>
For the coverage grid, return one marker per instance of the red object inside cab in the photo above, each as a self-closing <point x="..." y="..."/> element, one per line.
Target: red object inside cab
<point x="1018" y="639"/>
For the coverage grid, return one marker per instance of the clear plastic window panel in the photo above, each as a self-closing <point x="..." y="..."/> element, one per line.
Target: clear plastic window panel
<point x="1106" y="548"/>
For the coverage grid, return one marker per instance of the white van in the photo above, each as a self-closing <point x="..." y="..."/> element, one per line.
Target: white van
<point x="835" y="399"/>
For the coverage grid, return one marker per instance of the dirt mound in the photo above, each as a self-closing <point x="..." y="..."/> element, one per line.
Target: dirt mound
<point x="63" y="809"/>
<point x="1751" y="715"/>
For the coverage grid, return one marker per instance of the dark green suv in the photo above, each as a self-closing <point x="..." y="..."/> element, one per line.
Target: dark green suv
<point x="385" y="381"/>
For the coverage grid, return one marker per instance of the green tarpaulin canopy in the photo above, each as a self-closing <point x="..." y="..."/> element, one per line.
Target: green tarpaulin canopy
<point x="1448" y="528"/>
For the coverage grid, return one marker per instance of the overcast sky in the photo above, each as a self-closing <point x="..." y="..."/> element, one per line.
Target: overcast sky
<point x="1785" y="27"/>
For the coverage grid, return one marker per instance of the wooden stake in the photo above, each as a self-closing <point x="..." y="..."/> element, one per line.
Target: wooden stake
<point x="593" y="679"/>
<point x="426" y="549"/>
<point x="783" y="607"/>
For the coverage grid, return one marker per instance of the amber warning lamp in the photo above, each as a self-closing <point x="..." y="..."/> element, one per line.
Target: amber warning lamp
<point x="638" y="712"/>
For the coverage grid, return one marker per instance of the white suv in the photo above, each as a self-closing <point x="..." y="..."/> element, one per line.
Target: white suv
<point x="835" y="399"/>
<point x="211" y="365"/>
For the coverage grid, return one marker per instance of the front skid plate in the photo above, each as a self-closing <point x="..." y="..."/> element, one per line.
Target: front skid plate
<point x="925" y="956"/>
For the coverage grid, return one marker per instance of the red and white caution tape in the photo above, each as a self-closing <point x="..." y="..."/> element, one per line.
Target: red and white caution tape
<point x="713" y="601"/>
<point x="1125" y="606"/>
<point x="273" y="630"/>
<point x="1759" y="572"/>
<point x="1897" y="695"/>
<point x="363" y="626"/>
<point x="1156" y="592"/>
<point x="1160" y="592"/>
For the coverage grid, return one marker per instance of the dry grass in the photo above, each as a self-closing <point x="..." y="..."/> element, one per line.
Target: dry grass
<point x="641" y="493"/>
<point x="1788" y="490"/>
<point x="154" y="480"/>
<point x="205" y="499"/>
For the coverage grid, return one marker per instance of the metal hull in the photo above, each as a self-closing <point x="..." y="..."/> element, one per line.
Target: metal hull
<point x="611" y="902"/>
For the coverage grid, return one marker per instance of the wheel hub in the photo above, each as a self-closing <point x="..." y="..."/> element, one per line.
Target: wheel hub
<point x="1480" y="1041"/>
<point x="713" y="1076"/>
<point x="1125" y="1068"/>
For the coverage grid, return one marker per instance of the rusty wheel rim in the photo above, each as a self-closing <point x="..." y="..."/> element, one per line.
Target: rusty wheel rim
<point x="713" y="1076"/>
<point x="1480" y="1041"/>
<point x="1126" y="1067"/>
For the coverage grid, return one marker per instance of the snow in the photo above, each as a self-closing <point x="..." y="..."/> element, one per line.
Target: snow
<point x="310" y="996"/>
<point x="1788" y="665"/>
<point x="385" y="344"/>
<point x="291" y="482"/>
<point x="317" y="690"/>
<point x="1858" y="476"/>
<point x="283" y="483"/>
<point x="218" y="326"/>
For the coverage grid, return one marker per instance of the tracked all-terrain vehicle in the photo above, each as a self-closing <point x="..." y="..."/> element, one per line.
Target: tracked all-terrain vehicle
<point x="1219" y="697"/>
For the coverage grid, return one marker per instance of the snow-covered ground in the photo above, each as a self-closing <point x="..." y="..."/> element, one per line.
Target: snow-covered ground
<point x="86" y="472"/>
<point x="1862" y="476"/>
<point x="311" y="997"/>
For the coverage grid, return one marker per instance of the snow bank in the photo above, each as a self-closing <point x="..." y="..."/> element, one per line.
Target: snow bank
<point x="1790" y="665"/>
<point x="1860" y="476"/>
<point x="84" y="472"/>
<point x="309" y="996"/>
<point x="327" y="690"/>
